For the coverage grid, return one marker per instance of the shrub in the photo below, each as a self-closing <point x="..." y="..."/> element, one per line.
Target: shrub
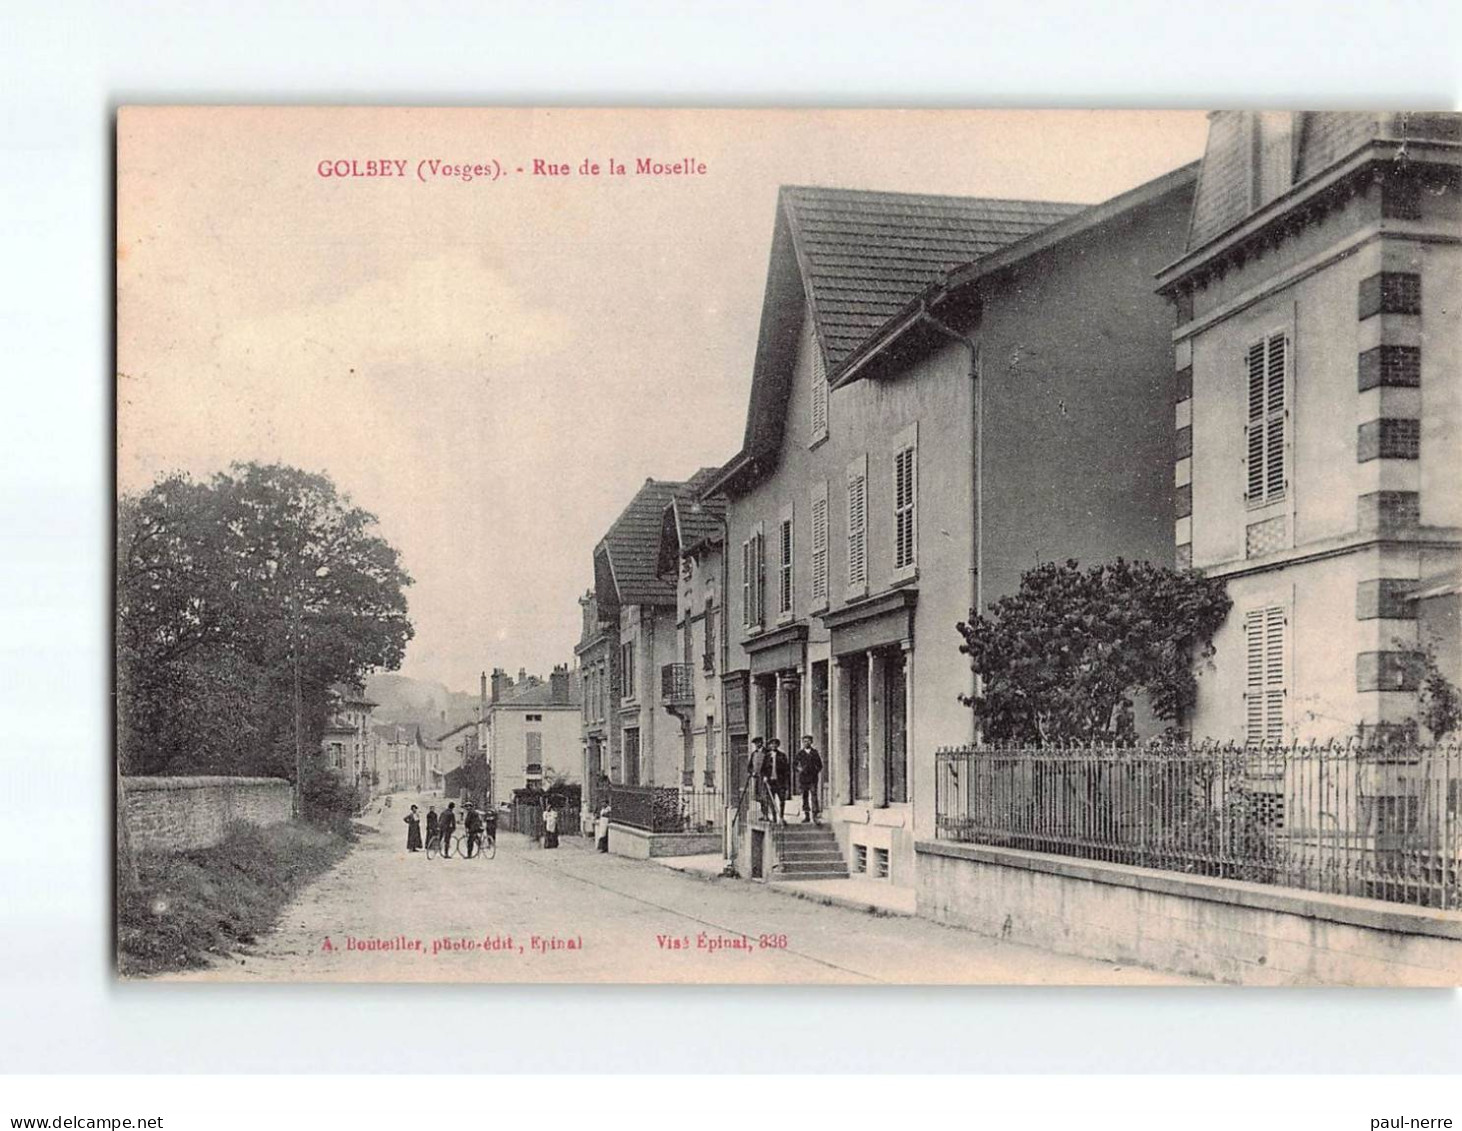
<point x="189" y="906"/>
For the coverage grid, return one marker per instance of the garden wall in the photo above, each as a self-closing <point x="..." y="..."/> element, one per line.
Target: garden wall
<point x="193" y="812"/>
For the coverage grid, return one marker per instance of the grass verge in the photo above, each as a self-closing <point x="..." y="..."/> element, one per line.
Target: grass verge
<point x="190" y="906"/>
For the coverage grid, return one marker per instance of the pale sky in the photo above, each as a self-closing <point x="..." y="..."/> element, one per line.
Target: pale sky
<point x="494" y="367"/>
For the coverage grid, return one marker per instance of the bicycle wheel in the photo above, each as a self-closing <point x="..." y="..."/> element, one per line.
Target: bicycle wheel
<point x="432" y="847"/>
<point x="459" y="847"/>
<point x="489" y="847"/>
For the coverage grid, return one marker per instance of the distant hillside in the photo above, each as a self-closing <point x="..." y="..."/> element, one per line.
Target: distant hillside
<point x="401" y="699"/>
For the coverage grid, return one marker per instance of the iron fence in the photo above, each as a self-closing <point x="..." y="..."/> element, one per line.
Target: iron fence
<point x="666" y="808"/>
<point x="1380" y="822"/>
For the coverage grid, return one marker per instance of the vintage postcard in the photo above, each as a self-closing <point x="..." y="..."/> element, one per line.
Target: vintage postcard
<point x="792" y="546"/>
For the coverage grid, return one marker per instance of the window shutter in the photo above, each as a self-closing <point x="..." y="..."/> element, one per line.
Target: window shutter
<point x="819" y="381"/>
<point x="903" y="496"/>
<point x="1256" y="421"/>
<point x="746" y="584"/>
<point x="759" y="567"/>
<point x="1265" y="679"/>
<point x="784" y="565"/>
<point x="858" y="525"/>
<point x="819" y="545"/>
<point x="1267" y="373"/>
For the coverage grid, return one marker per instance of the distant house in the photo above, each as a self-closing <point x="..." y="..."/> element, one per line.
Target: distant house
<point x="629" y="635"/>
<point x="348" y="742"/>
<point x="1318" y="385"/>
<point x="692" y="550"/>
<point x="453" y="751"/>
<point x="401" y="758"/>
<point x="530" y="731"/>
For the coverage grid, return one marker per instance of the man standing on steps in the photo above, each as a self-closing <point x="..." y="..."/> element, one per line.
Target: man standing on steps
<point x="780" y="772"/>
<point x="808" y="767"/>
<point x="758" y="766"/>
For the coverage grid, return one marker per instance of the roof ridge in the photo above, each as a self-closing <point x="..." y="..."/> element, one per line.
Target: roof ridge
<point x="934" y="195"/>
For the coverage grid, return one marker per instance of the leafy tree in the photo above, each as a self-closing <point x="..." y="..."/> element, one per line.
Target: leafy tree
<point x="221" y="587"/>
<point x="1439" y="700"/>
<point x="1063" y="658"/>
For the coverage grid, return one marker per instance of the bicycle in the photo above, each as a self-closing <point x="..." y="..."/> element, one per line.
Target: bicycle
<point x="486" y="846"/>
<point x="433" y="846"/>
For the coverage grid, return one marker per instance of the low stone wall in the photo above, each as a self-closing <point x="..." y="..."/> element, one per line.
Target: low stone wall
<point x="624" y="840"/>
<point x="1247" y="934"/>
<point x="182" y="813"/>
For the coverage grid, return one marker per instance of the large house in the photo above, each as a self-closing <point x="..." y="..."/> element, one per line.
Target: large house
<point x="348" y="741"/>
<point x="692" y="537"/>
<point x="1318" y="384"/>
<point x="629" y="635"/>
<point x="946" y="392"/>
<point x="529" y="731"/>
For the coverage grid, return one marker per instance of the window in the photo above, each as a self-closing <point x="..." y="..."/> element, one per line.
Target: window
<point x="534" y="718"/>
<point x="1266" y="372"/>
<point x="627" y="669"/>
<point x="710" y="769"/>
<point x="632" y="756"/>
<point x="905" y="496"/>
<point x="819" y="382"/>
<point x="858" y="526"/>
<point x="708" y="658"/>
<point x="819" y="545"/>
<point x="784" y="564"/>
<point x="533" y="752"/>
<point x="753" y="580"/>
<point x="1265" y="640"/>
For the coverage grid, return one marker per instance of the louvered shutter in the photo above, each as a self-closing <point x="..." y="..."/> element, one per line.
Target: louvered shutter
<point x="746" y="584"/>
<point x="784" y="566"/>
<point x="819" y="546"/>
<point x="1266" y="368"/>
<point x="858" y="526"/>
<point x="903" y="495"/>
<point x="819" y="386"/>
<point x="1265" y="632"/>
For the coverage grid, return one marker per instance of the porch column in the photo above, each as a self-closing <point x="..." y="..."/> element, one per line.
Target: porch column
<point x="754" y="709"/>
<point x="877" y="732"/>
<point x="779" y="708"/>
<point x="908" y="658"/>
<point x="836" y="753"/>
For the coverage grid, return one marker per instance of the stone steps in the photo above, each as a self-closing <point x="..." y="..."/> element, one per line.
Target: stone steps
<point x="808" y="852"/>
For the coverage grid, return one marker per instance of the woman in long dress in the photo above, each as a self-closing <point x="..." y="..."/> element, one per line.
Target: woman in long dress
<point x="550" y="827"/>
<point x="413" y="831"/>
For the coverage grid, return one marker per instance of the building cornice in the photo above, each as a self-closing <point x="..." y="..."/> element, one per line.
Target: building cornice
<point x="1304" y="204"/>
<point x="1427" y="537"/>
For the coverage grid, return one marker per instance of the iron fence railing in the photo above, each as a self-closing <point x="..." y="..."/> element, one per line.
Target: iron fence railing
<point x="1379" y="822"/>
<point x="666" y="808"/>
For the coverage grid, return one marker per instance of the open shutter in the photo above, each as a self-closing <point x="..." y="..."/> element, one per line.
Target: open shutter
<point x="858" y="525"/>
<point x="819" y="546"/>
<point x="1274" y="411"/>
<point x="903" y="495"/>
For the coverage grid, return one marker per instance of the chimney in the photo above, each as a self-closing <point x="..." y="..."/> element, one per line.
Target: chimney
<point x="558" y="683"/>
<point x="500" y="684"/>
<point x="522" y="675"/>
<point x="482" y="694"/>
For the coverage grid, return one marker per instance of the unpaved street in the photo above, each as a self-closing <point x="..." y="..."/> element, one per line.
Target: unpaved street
<point x="573" y="915"/>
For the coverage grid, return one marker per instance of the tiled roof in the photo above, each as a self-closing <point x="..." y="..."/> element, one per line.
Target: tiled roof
<point x="865" y="254"/>
<point x="535" y="694"/>
<point x="632" y="545"/>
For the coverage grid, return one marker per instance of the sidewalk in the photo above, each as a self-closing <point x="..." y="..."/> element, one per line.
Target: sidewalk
<point x="856" y="893"/>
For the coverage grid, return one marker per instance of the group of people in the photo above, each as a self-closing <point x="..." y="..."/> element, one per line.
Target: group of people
<point x="772" y="774"/>
<point x="440" y="827"/>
